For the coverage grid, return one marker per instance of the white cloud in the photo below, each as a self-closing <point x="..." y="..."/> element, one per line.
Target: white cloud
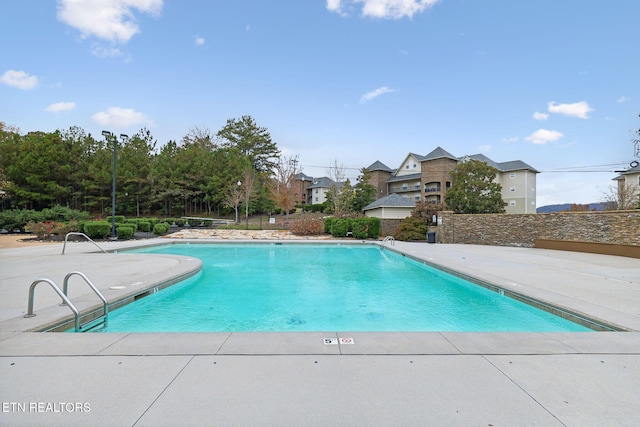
<point x="484" y="148"/>
<point x="61" y="106"/>
<point x="120" y="118"/>
<point x="111" y="20"/>
<point x="623" y="99"/>
<point x="105" y="52"/>
<point x="385" y="9"/>
<point x="374" y="94"/>
<point x="19" y="79"/>
<point x="335" y="6"/>
<point x="578" y="109"/>
<point x="540" y="116"/>
<point x="542" y="136"/>
<point x="512" y="139"/>
<point x="199" y="41"/>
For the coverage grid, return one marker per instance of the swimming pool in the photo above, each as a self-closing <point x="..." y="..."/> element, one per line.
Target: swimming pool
<point x="322" y="287"/>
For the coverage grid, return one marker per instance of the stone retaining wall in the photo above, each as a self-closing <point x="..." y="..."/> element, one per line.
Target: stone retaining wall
<point x="617" y="227"/>
<point x="388" y="226"/>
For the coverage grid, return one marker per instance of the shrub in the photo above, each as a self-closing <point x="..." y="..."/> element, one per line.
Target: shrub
<point x="131" y="223"/>
<point x="328" y="224"/>
<point x="314" y="208"/>
<point x="144" y="226"/>
<point x="49" y="228"/>
<point x="373" y="227"/>
<point x="307" y="227"/>
<point x="17" y="219"/>
<point x="119" y="218"/>
<point x="97" y="229"/>
<point x="341" y="227"/>
<point x="160" y="228"/>
<point x="411" y="229"/>
<point x="125" y="231"/>
<point x="360" y="228"/>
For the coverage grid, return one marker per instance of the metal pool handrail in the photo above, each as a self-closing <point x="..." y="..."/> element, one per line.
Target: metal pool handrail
<point x="74" y="233"/>
<point x="66" y="301"/>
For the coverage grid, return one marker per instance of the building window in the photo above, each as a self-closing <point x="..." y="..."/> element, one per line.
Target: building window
<point x="407" y="167"/>
<point x="316" y="191"/>
<point x="415" y="166"/>
<point x="512" y="189"/>
<point x="448" y="184"/>
<point x="512" y="175"/>
<point x="512" y="203"/>
<point x="316" y="199"/>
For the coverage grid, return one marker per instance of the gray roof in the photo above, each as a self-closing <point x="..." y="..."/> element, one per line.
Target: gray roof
<point x="633" y="169"/>
<point x="301" y="176"/>
<point x="325" y="182"/>
<point x="379" y="166"/>
<point x="439" y="153"/>
<point x="513" y="165"/>
<point x="417" y="156"/>
<point x="405" y="177"/>
<point x="391" y="201"/>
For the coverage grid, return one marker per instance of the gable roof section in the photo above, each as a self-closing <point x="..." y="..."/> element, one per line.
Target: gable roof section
<point x="391" y="201"/>
<point x="303" y="177"/>
<point x="513" y="165"/>
<point x="439" y="153"/>
<point x="516" y="165"/>
<point x="325" y="182"/>
<point x="379" y="166"/>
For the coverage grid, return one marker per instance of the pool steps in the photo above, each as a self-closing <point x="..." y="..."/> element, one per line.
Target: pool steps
<point x="94" y="322"/>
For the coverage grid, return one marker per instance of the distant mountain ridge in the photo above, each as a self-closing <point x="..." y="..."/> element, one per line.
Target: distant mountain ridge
<point x="566" y="207"/>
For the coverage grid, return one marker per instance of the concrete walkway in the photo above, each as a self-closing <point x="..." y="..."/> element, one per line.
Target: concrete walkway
<point x="431" y="378"/>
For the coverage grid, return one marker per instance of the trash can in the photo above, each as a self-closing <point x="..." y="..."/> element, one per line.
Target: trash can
<point x="431" y="237"/>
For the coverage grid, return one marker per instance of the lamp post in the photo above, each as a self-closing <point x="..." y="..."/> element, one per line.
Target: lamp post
<point x="239" y="185"/>
<point x="110" y="136"/>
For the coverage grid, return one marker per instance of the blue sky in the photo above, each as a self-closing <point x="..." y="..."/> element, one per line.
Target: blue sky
<point x="552" y="83"/>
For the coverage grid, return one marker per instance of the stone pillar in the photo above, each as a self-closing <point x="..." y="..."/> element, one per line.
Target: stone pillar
<point x="445" y="233"/>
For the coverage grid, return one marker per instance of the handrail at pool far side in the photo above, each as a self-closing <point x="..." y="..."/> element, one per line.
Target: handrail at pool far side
<point x="389" y="239"/>
<point x="75" y="233"/>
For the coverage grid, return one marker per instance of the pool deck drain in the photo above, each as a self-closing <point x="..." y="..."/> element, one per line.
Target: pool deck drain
<point x="437" y="378"/>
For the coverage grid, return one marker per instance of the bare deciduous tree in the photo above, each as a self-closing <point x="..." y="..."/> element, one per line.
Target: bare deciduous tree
<point x="624" y="196"/>
<point x="283" y="184"/>
<point x="233" y="197"/>
<point x="337" y="173"/>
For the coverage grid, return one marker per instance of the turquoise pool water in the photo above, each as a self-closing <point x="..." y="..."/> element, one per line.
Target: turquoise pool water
<point x="302" y="287"/>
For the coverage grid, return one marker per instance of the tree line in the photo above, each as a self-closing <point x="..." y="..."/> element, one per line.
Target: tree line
<point x="198" y="175"/>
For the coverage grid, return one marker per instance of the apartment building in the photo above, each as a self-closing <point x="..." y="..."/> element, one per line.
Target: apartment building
<point x="629" y="186"/>
<point x="427" y="178"/>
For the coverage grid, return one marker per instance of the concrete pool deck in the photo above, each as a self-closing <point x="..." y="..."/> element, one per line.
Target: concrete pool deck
<point x="431" y="378"/>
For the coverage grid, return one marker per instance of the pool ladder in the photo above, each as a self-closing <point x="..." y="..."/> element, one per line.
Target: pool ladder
<point x="389" y="239"/>
<point x="91" y="324"/>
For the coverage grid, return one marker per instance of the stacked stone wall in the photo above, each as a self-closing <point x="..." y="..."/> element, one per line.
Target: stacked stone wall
<point x="616" y="227"/>
<point x="388" y="226"/>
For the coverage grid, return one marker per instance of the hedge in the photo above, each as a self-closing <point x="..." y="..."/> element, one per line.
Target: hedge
<point x="97" y="229"/>
<point x="125" y="232"/>
<point x="160" y="228"/>
<point x="328" y="224"/>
